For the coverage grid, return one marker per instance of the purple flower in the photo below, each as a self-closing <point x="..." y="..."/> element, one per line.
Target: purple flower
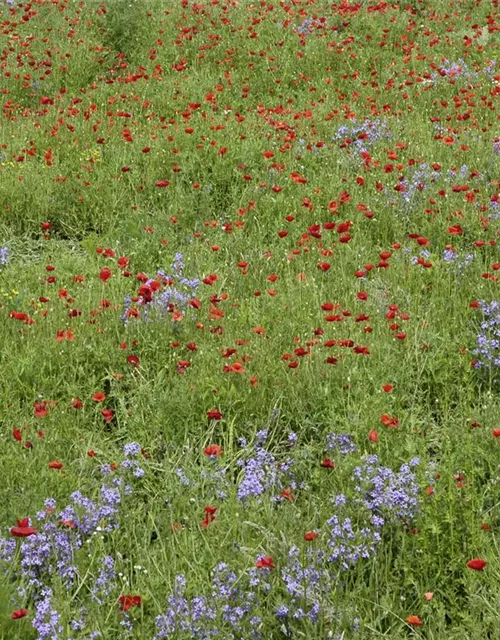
<point x="132" y="449"/>
<point x="105" y="581"/>
<point x="4" y="255"/>
<point x="199" y="616"/>
<point x="47" y="620"/>
<point x="341" y="443"/>
<point x="488" y="338"/>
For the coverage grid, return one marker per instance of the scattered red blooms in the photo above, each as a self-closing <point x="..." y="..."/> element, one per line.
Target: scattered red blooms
<point x="389" y="421"/>
<point x="108" y="415"/>
<point x="23" y="529"/>
<point x="414" y="621"/>
<point x="129" y="601"/>
<point x="311" y="535"/>
<point x="327" y="464"/>
<point x="133" y="360"/>
<point x="214" y="450"/>
<point x="477" y="564"/>
<point x="214" y="414"/>
<point x="287" y="494"/>
<point x="265" y="562"/>
<point x="19" y="613"/>
<point x="105" y="274"/>
<point x="209" y="516"/>
<point x="40" y="409"/>
<point x="70" y="524"/>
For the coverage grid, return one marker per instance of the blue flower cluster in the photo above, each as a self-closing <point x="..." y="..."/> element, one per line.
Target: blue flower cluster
<point x="261" y="471"/>
<point x="364" y="135"/>
<point x="488" y="338"/>
<point x="4" y="256"/>
<point x="229" y="603"/>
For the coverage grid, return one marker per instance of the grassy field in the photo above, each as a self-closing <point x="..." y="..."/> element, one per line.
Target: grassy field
<point x="250" y="320"/>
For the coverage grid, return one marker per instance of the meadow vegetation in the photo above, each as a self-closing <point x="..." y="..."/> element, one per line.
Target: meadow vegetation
<point x="250" y="319"/>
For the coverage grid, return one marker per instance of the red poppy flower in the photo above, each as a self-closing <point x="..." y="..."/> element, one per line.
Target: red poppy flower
<point x="414" y="621"/>
<point x="213" y="450"/>
<point x="40" y="409"/>
<point x="373" y="436"/>
<point x="209" y="516"/>
<point x="311" y="535"/>
<point x="296" y="177"/>
<point x="389" y="421"/>
<point x="107" y="414"/>
<point x="17" y="435"/>
<point x="477" y="564"/>
<point x="55" y="464"/>
<point x="99" y="396"/>
<point x="214" y="414"/>
<point x="67" y="523"/>
<point x="265" y="562"/>
<point x="133" y="360"/>
<point x="162" y="183"/>
<point x="365" y="351"/>
<point x="196" y="304"/>
<point x="19" y="613"/>
<point x="129" y="601"/>
<point x="105" y="274"/>
<point x="23" y="530"/>
<point x="123" y="262"/>
<point x="327" y="464"/>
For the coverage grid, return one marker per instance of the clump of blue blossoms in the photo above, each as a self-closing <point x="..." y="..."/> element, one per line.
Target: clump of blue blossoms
<point x="457" y="262"/>
<point x="362" y="136"/>
<point x="340" y="443"/>
<point x="262" y="471"/>
<point x="230" y="603"/>
<point x="4" y="256"/>
<point x="488" y="338"/>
